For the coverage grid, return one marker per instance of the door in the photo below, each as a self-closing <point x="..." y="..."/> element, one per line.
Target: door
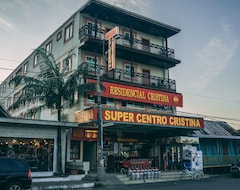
<point x="90" y="153"/>
<point x="146" y="44"/>
<point x="146" y="77"/>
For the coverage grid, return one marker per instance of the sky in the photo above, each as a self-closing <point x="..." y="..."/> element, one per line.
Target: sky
<point x="208" y="45"/>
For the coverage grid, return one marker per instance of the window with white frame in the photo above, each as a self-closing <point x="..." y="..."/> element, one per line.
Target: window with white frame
<point x="35" y="60"/>
<point x="4" y="87"/>
<point x="67" y="65"/>
<point x="25" y="68"/>
<point x="9" y="101"/>
<point x="68" y="33"/>
<point x="49" y="48"/>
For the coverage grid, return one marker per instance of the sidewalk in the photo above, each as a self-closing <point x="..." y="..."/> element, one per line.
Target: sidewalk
<point x="90" y="181"/>
<point x="69" y="182"/>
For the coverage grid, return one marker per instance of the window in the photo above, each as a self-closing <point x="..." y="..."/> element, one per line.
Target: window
<point x="35" y="60"/>
<point x="25" y="68"/>
<point x="129" y="70"/>
<point x="9" y="101"/>
<point x="49" y="48"/>
<point x="110" y="102"/>
<point x="91" y="29"/>
<point x="38" y="153"/>
<point x="59" y="35"/>
<point x="90" y="98"/>
<point x="16" y="96"/>
<point x="68" y="32"/>
<point x="128" y="38"/>
<point x="67" y="65"/>
<point x="91" y="63"/>
<point x="75" y="150"/>
<point x="4" y="88"/>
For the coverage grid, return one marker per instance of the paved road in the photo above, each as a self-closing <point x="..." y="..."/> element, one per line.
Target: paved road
<point x="223" y="182"/>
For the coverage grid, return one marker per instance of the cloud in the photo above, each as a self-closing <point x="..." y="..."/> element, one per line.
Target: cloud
<point x="137" y="6"/>
<point x="4" y="24"/>
<point x="214" y="57"/>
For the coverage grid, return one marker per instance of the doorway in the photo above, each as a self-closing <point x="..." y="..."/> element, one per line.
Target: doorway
<point x="90" y="153"/>
<point x="146" y="77"/>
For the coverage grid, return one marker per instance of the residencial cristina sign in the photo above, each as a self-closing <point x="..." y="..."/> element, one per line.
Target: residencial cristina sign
<point x="131" y="93"/>
<point x="146" y="118"/>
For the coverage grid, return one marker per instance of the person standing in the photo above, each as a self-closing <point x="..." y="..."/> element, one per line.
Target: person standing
<point x="165" y="161"/>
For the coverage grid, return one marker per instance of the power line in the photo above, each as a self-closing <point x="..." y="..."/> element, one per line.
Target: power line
<point x="211" y="97"/>
<point x="5" y="59"/>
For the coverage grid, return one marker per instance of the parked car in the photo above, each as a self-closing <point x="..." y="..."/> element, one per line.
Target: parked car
<point x="14" y="174"/>
<point x="235" y="168"/>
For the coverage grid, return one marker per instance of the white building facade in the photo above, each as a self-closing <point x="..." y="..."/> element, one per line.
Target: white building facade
<point x="138" y="92"/>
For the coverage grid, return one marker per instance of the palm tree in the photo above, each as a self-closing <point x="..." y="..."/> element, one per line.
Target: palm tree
<point x="51" y="88"/>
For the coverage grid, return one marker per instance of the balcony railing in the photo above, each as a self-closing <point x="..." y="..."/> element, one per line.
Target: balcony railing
<point x="89" y="32"/>
<point x="123" y="76"/>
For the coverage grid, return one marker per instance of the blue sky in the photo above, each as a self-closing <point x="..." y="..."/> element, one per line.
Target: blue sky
<point x="208" y="44"/>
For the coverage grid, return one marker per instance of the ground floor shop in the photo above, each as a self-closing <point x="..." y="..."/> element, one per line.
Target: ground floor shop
<point x="160" y="155"/>
<point x="129" y="135"/>
<point x="36" y="142"/>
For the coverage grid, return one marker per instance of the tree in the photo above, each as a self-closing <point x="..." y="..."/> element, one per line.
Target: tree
<point x="52" y="89"/>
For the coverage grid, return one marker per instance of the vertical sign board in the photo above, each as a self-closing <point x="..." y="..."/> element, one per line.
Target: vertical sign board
<point x="111" y="47"/>
<point x="111" y="54"/>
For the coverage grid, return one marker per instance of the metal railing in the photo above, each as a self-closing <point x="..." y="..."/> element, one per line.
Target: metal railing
<point x="89" y="32"/>
<point x="135" y="78"/>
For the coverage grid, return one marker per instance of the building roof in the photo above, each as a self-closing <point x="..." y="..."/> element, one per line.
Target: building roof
<point x="7" y="120"/>
<point x="217" y="130"/>
<point x="128" y="19"/>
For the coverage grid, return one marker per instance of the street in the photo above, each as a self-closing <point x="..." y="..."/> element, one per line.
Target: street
<point x="223" y="182"/>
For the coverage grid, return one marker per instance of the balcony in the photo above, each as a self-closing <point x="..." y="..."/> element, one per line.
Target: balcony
<point x="136" y="50"/>
<point x="121" y="76"/>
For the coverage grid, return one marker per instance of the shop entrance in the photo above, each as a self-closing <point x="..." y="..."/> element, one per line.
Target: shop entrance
<point x="172" y="157"/>
<point x="90" y="153"/>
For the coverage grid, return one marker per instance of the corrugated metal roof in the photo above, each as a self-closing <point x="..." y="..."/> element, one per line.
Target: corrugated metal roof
<point x="216" y="129"/>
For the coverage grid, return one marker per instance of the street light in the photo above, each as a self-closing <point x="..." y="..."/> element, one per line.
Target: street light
<point x="111" y="37"/>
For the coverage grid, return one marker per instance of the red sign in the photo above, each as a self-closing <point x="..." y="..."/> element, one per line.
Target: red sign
<point x="111" y="33"/>
<point x="118" y="91"/>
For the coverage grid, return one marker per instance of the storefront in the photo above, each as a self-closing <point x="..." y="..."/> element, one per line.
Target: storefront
<point x="142" y="135"/>
<point x="34" y="141"/>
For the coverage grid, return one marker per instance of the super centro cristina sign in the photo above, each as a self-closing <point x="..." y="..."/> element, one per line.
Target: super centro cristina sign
<point x="144" y="118"/>
<point x="152" y="119"/>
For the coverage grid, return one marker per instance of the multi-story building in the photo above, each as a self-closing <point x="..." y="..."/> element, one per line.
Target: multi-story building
<point x="138" y="105"/>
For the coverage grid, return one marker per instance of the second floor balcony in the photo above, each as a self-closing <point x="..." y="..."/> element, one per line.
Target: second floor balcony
<point x="129" y="78"/>
<point x="129" y="48"/>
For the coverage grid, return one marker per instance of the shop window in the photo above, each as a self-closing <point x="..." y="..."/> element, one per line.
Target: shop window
<point x="75" y="150"/>
<point x="38" y="153"/>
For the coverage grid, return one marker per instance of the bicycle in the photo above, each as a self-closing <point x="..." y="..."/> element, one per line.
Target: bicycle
<point x="192" y="174"/>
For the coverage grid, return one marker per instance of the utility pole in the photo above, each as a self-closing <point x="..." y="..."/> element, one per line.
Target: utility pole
<point x="111" y="36"/>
